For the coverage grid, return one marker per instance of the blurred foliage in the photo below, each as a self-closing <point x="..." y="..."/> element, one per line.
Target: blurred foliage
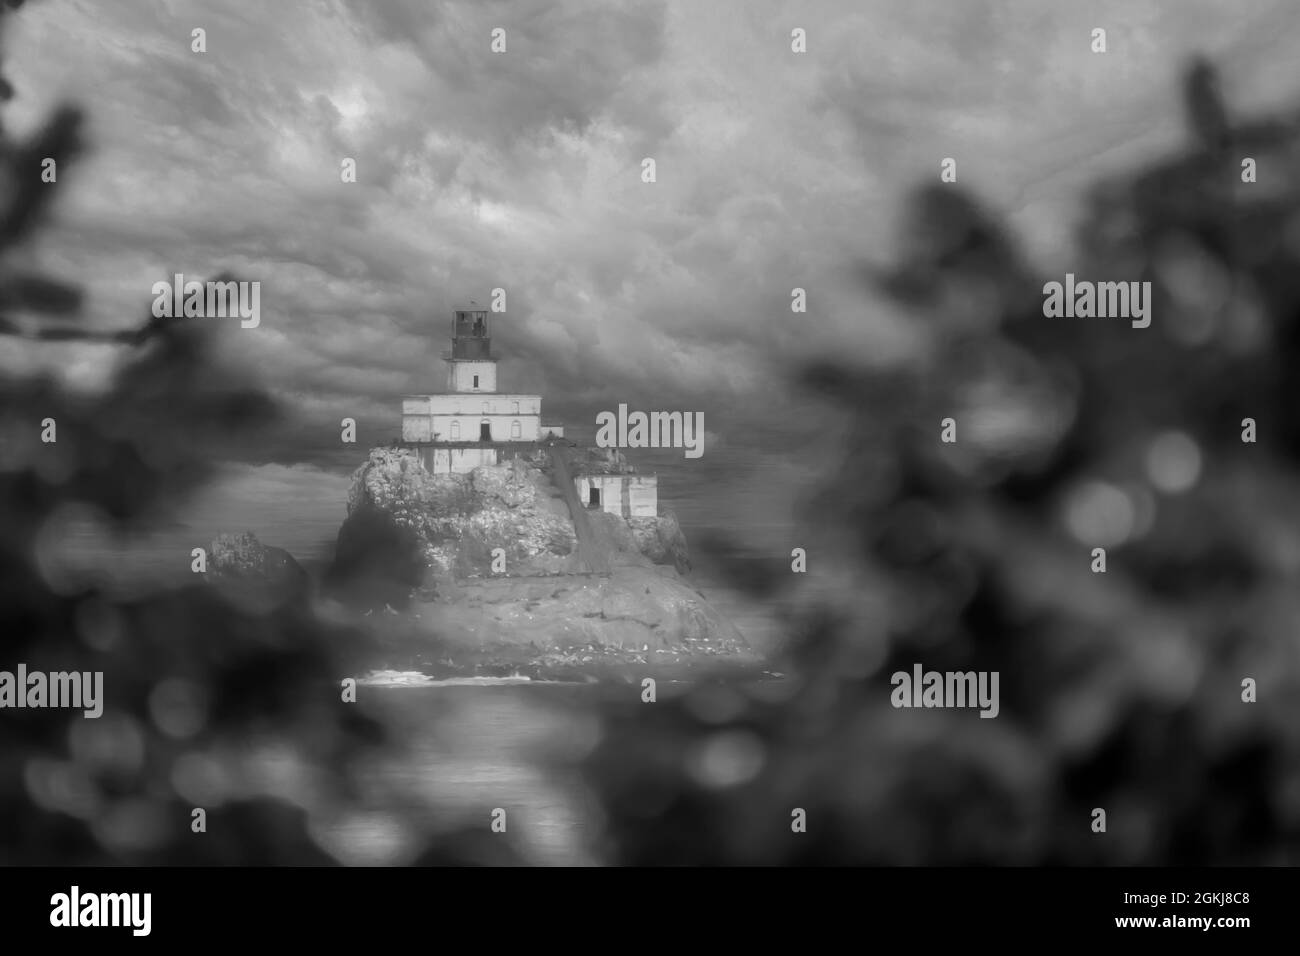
<point x="209" y="702"/>
<point x="1119" y="690"/>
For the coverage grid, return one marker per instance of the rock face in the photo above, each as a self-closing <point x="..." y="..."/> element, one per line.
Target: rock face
<point x="634" y="609"/>
<point x="410" y="531"/>
<point x="255" y="574"/>
<point x="378" y="561"/>
<point x="514" y="507"/>
<point x="661" y="540"/>
<point x="456" y="521"/>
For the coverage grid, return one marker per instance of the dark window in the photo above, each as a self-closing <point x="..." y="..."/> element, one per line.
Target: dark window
<point x="593" y="497"/>
<point x="476" y="381"/>
<point x="484" y="432"/>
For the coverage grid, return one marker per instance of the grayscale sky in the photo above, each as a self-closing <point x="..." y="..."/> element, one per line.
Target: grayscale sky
<point x="522" y="170"/>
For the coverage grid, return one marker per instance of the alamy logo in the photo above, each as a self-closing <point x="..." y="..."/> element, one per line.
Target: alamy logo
<point x="946" y="689"/>
<point x="653" y="430"/>
<point x="1103" y="300"/>
<point x="196" y="299"/>
<point x="75" y="689"/>
<point x="102" y="909"/>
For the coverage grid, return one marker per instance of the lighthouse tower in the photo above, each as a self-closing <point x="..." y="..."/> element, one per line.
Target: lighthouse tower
<point x="471" y="423"/>
<point x="471" y="367"/>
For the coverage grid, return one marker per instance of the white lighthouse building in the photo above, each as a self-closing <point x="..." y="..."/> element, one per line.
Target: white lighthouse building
<point x="471" y="423"/>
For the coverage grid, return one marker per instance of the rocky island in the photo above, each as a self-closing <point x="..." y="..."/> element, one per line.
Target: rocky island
<point x="491" y="572"/>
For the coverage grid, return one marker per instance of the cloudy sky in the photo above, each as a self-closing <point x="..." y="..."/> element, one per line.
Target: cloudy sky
<point x="522" y="170"/>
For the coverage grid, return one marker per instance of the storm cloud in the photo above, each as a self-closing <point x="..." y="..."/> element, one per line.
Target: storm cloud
<point x="522" y="170"/>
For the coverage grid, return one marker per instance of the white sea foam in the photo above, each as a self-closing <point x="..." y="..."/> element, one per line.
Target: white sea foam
<point x="386" y="678"/>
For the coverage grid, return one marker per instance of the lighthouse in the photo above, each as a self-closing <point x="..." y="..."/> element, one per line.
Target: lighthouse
<point x="471" y="423"/>
<point x="471" y="366"/>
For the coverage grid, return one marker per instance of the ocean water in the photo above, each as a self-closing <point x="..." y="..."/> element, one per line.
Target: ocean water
<point x="298" y="508"/>
<point x="458" y="753"/>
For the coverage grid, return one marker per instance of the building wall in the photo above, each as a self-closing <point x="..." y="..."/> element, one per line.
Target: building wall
<point x="430" y="417"/>
<point x="475" y="404"/>
<point x="472" y="404"/>
<point x="466" y="427"/>
<point x="643" y="496"/>
<point x="460" y="376"/>
<point x="630" y="496"/>
<point x="417" y="428"/>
